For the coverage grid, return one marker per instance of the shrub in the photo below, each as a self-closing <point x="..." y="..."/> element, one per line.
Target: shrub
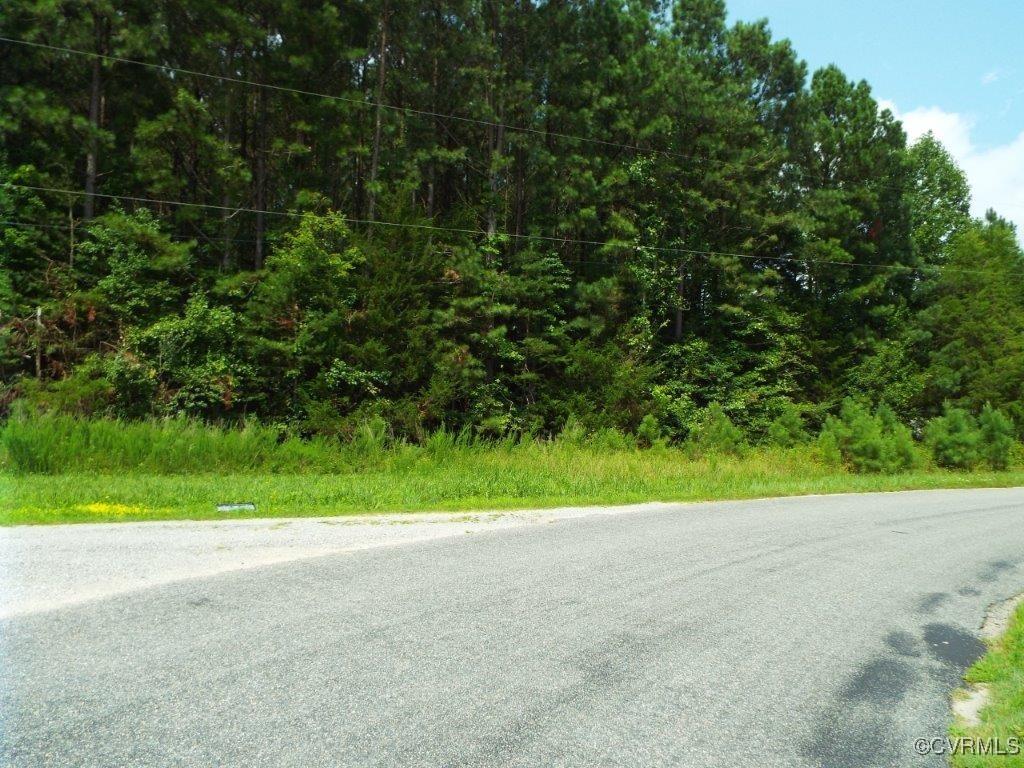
<point x="996" y="437"/>
<point x="611" y="439"/>
<point x="899" y="451"/>
<point x="827" y="450"/>
<point x="715" y="432"/>
<point x="954" y="439"/>
<point x="89" y="390"/>
<point x="870" y="442"/>
<point x="787" y="429"/>
<point x="573" y="432"/>
<point x="445" y="446"/>
<point x="648" y="432"/>
<point x="370" y="440"/>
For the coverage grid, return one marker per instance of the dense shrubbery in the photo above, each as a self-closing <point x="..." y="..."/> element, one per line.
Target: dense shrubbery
<point x="997" y="432"/>
<point x="787" y="429"/>
<point x="715" y="433"/>
<point x="859" y="439"/>
<point x="960" y="441"/>
<point x="870" y="442"/>
<point x="691" y="246"/>
<point x="954" y="439"/>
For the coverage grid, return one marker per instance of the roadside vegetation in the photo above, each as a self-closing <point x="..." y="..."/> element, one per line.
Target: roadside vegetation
<point x="61" y="469"/>
<point x="1002" y="717"/>
<point x="669" y="219"/>
<point x="664" y="261"/>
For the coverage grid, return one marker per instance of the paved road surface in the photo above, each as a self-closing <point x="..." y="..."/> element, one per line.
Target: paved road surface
<point x="46" y="567"/>
<point x="819" y="631"/>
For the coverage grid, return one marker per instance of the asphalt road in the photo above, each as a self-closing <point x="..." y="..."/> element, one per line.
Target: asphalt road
<point x="818" y="631"/>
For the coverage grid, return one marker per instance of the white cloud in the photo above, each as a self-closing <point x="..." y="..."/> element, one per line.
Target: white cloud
<point x="990" y="77"/>
<point x="996" y="174"/>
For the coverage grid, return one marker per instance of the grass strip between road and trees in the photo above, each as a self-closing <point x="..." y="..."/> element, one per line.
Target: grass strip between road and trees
<point x="1001" y="719"/>
<point x="60" y="471"/>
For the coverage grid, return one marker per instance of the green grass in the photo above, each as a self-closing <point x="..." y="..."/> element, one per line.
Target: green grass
<point x="61" y="469"/>
<point x="1002" y="670"/>
<point x="59" y="444"/>
<point x="453" y="477"/>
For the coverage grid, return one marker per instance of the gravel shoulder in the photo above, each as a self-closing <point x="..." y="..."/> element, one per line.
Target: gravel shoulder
<point x="43" y="568"/>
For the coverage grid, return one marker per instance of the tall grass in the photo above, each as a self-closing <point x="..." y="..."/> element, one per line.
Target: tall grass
<point x="60" y="469"/>
<point x="62" y="444"/>
<point x="497" y="477"/>
<point x="56" y="445"/>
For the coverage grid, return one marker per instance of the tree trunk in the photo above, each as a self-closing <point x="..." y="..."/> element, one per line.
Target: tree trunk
<point x="523" y="117"/>
<point x="95" y="96"/>
<point x="225" y="257"/>
<point x="378" y="118"/>
<point x="39" y="342"/>
<point x="493" y="183"/>
<point x="71" y="236"/>
<point x="682" y="299"/>
<point x="497" y="131"/>
<point x="431" y="170"/>
<point x="261" y="178"/>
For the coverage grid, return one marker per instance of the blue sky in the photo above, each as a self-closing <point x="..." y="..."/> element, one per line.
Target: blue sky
<point x="956" y="68"/>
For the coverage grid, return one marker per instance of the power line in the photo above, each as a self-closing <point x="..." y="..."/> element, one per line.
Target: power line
<point x="373" y="103"/>
<point x="355" y="101"/>
<point x="215" y="240"/>
<point x="212" y="239"/>
<point x="432" y="227"/>
<point x="551" y="239"/>
<point x="383" y="105"/>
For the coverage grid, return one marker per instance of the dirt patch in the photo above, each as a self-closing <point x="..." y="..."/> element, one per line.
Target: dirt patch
<point x="997" y="617"/>
<point x="968" y="702"/>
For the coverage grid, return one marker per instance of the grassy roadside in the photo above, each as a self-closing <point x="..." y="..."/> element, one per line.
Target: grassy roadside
<point x="526" y="474"/>
<point x="1002" y="718"/>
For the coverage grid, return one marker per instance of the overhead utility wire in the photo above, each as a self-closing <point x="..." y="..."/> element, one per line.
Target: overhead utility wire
<point x="350" y="100"/>
<point x="211" y="239"/>
<point x="554" y="239"/>
<point x="382" y="105"/>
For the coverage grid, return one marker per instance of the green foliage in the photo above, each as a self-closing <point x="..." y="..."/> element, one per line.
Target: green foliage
<point x="310" y="273"/>
<point x="734" y="231"/>
<point x="173" y="469"/>
<point x="892" y="372"/>
<point x="1001" y="672"/>
<point x="827" y="448"/>
<point x="300" y="314"/>
<point x="954" y="439"/>
<point x="54" y="444"/>
<point x="939" y="198"/>
<point x="611" y="439"/>
<point x="787" y="429"/>
<point x="996" y="437"/>
<point x="89" y="391"/>
<point x="869" y="442"/>
<point x="191" y="361"/>
<point x="179" y="151"/>
<point x="371" y="439"/>
<point x="648" y="432"/>
<point x="959" y="441"/>
<point x="715" y="433"/>
<point x="976" y="322"/>
<point x="573" y="432"/>
<point x="131" y="271"/>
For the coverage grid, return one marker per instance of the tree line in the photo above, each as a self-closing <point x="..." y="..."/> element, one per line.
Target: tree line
<point x="500" y="215"/>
